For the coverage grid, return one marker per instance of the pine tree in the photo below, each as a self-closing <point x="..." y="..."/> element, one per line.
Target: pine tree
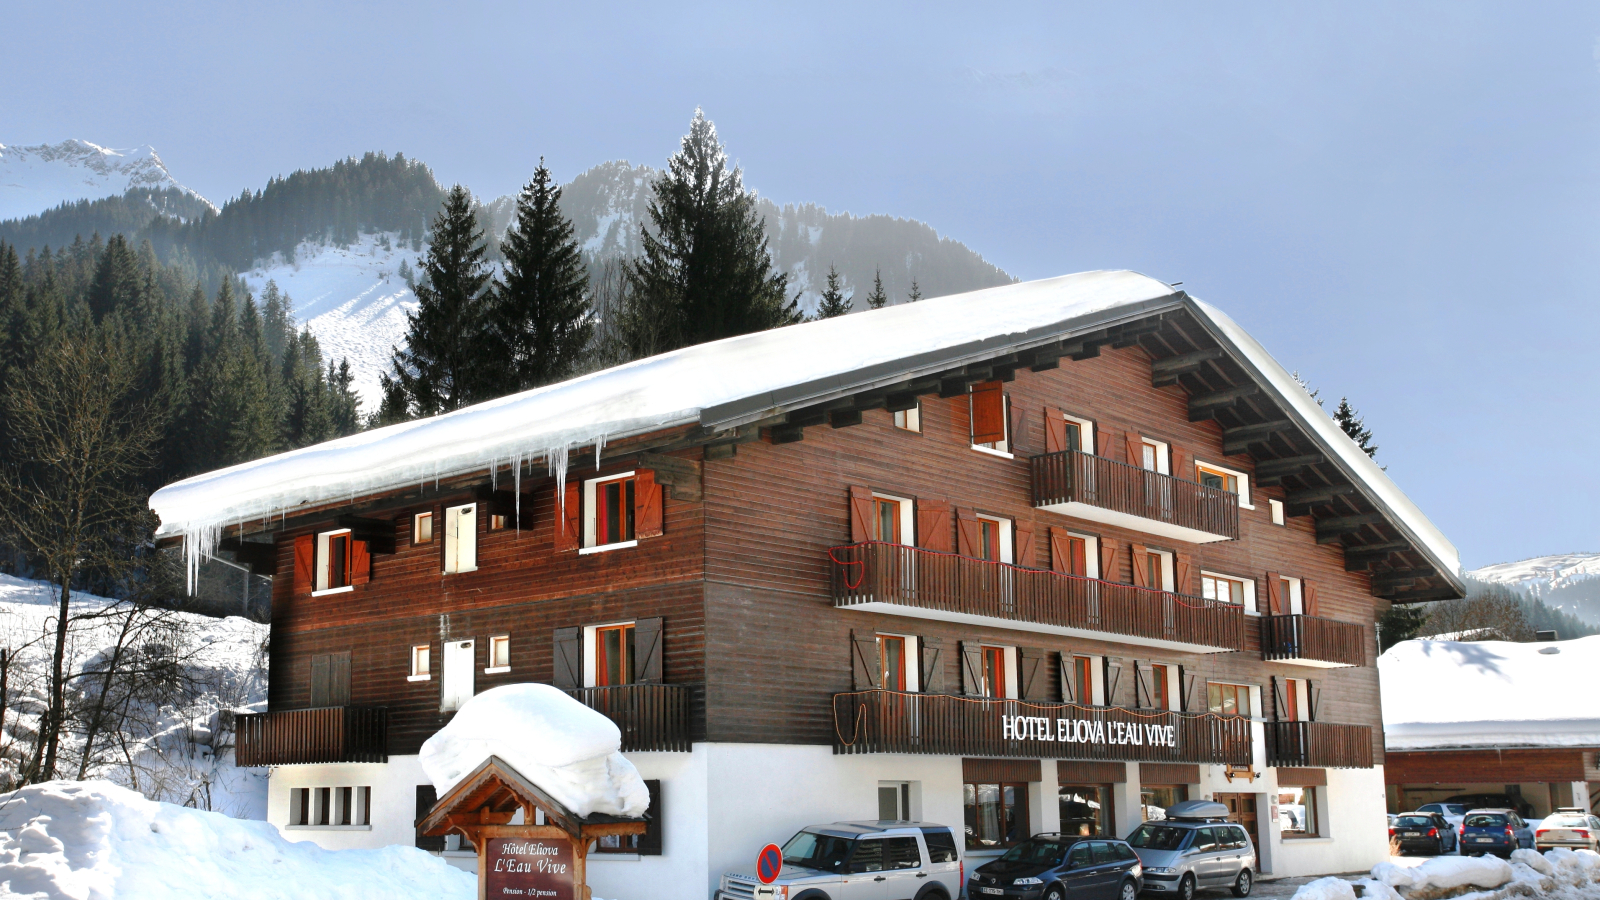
<point x="1350" y="422"/>
<point x="915" y="293"/>
<point x="441" y="367"/>
<point x="705" y="271"/>
<point x="117" y="280"/>
<point x="877" y="299"/>
<point x="539" y="318"/>
<point x="833" y="300"/>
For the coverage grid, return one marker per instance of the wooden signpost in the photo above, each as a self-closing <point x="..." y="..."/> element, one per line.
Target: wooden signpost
<point x="528" y="860"/>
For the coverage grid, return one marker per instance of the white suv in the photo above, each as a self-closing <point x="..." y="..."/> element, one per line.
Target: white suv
<point x="860" y="861"/>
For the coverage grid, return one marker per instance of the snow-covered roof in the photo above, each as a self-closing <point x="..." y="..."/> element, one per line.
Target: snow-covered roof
<point x="739" y="380"/>
<point x="1449" y="694"/>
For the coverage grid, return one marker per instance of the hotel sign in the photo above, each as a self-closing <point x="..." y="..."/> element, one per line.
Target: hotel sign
<point x="529" y="868"/>
<point x="1087" y="731"/>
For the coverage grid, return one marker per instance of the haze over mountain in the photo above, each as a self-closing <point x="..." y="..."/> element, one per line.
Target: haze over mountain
<point x="1569" y="582"/>
<point x="34" y="179"/>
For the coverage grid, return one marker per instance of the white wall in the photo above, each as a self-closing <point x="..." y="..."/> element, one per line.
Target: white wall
<point x="394" y="801"/>
<point x="1355" y="825"/>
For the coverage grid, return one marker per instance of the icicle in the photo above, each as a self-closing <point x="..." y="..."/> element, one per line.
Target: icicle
<point x="557" y="457"/>
<point x="516" y="484"/>
<point x="599" y="445"/>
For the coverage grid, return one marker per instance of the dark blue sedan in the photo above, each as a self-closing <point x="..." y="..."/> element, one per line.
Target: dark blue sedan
<point x="1497" y="831"/>
<point x="1058" y="866"/>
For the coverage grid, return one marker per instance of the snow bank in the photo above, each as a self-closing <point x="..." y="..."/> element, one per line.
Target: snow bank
<point x="567" y="749"/>
<point x="1445" y="873"/>
<point x="1329" y="888"/>
<point x="98" y="841"/>
<point x="1472" y="678"/>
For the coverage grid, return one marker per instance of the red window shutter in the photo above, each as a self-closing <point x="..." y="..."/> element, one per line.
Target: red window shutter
<point x="967" y="541"/>
<point x="1022" y="536"/>
<point x="1055" y="431"/>
<point x="1275" y="599"/>
<point x="933" y="526"/>
<point x="1060" y="551"/>
<point x="860" y="514"/>
<point x="646" y="505"/>
<point x="1308" y="596"/>
<point x="1183" y="463"/>
<point x="568" y="521"/>
<point x="1133" y="445"/>
<point x="1182" y="574"/>
<point x="988" y="413"/>
<point x="1105" y="441"/>
<point x="1141" y="560"/>
<point x="305" y="563"/>
<point x="360" y="563"/>
<point x="1109" y="568"/>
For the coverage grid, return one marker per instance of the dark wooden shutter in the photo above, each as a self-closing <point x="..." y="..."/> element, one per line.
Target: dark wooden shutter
<point x="1021" y="436"/>
<point x="1133" y="445"/>
<point x="1112" y="679"/>
<point x="1308" y="597"/>
<point x="321" y="680"/>
<point x="650" y="842"/>
<point x="967" y="538"/>
<point x="305" y="563"/>
<point x="1110" y="570"/>
<point x="339" y="679"/>
<point x="646" y="505"/>
<point x="647" y="650"/>
<point x="1277" y="604"/>
<point x="1141" y="565"/>
<point x="360" y="563"/>
<point x="860" y="514"/>
<point x="568" y="658"/>
<point x="1278" y="704"/>
<point x="1313" y="700"/>
<point x="932" y="674"/>
<point x="1183" y="574"/>
<point x="1105" y="441"/>
<point x="567" y="520"/>
<point x="1034" y="675"/>
<point x="1055" y="431"/>
<point x="426" y="797"/>
<point x="988" y="412"/>
<point x="1141" y="691"/>
<point x="1064" y="669"/>
<point x="971" y="668"/>
<point x="865" y="665"/>
<point x="1185" y="688"/>
<point x="1022" y="539"/>
<point x="933" y="526"/>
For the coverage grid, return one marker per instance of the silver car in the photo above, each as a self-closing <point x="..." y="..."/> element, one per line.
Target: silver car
<point x="859" y="861"/>
<point x="1195" y="847"/>
<point x="1570" y="827"/>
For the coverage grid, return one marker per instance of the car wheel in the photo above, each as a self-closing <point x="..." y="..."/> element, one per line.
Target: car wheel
<point x="1129" y="891"/>
<point x="1244" y="883"/>
<point x="1055" y="893"/>
<point x="1186" y="888"/>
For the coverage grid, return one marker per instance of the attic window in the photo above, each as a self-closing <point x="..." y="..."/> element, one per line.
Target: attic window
<point x="422" y="528"/>
<point x="909" y="419"/>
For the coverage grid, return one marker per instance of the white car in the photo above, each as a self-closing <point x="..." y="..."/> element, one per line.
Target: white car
<point x="1574" y="829"/>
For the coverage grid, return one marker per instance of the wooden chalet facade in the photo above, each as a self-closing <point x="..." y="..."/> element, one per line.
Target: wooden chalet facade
<point x="1048" y="582"/>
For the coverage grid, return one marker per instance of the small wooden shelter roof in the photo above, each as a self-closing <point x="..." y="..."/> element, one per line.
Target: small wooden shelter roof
<point x="493" y="792"/>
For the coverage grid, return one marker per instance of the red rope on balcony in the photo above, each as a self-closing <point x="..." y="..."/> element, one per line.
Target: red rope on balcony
<point x="861" y="564"/>
<point x="1042" y="707"/>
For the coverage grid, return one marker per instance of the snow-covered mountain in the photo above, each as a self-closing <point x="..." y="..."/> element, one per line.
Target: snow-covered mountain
<point x="34" y="179"/>
<point x="1569" y="582"/>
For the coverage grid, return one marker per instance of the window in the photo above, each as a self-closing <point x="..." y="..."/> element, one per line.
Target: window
<point x="1079" y="435"/>
<point x="330" y="807"/>
<point x="1277" y="511"/>
<point x="1077" y="553"/>
<point x="941" y="845"/>
<point x="994" y="671"/>
<point x="461" y="539"/>
<point x="333" y="561"/>
<point x="886" y="520"/>
<point x="909" y="419"/>
<point x="1225" y="479"/>
<point x="1297" y="811"/>
<point x="894" y="801"/>
<point x="898" y="655"/>
<point x="499" y="655"/>
<point x="497" y="522"/>
<point x="994" y="539"/>
<point x="991" y="428"/>
<point x="422" y="528"/>
<point x="419" y="663"/>
<point x="996" y="814"/>
<point x="613" y="655"/>
<point x="1228" y="589"/>
<point x="1155" y="456"/>
<point x="1296" y="702"/>
<point x="1156" y="799"/>
<point x="1157" y="569"/>
<point x="1086" y="809"/>
<point x="1290" y="592"/>
<point x="613" y="511"/>
<point x="647" y="844"/>
<point x="1160" y="686"/>
<point x="1228" y="699"/>
<point x="1083" y="680"/>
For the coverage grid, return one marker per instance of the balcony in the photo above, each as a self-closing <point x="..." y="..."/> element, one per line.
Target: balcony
<point x="650" y="716"/>
<point x="1319" y="745"/>
<point x="1313" y="641"/>
<point x="1091" y="487"/>
<point x="924" y="584"/>
<point x="881" y="721"/>
<point x="331" y="734"/>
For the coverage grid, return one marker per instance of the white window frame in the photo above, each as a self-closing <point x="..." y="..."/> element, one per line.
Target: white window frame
<point x="909" y="419"/>
<point x="1249" y="588"/>
<point x="1005" y="536"/>
<point x="416" y="521"/>
<point x="1097" y="679"/>
<point x="1277" y="511"/>
<point x="589" y="632"/>
<point x="1296" y="599"/>
<point x="453" y="544"/>
<point x="908" y="517"/>
<point x="1091" y="553"/>
<point x="323" y="561"/>
<point x="423" y="672"/>
<point x="1087" y="427"/>
<point x="1163" y="455"/>
<point x="495" y="643"/>
<point x="1241" y="477"/>
<point x="1173" y="694"/>
<point x="360" y="813"/>
<point x="591" y="515"/>
<point x="1302" y="698"/>
<point x="1255" y="697"/>
<point x="1168" y="577"/>
<point x="1002" y="448"/>
<point x="912" y="660"/>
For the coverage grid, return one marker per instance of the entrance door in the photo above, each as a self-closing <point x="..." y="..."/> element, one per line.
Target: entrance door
<point x="1242" y="809"/>
<point x="455" y="678"/>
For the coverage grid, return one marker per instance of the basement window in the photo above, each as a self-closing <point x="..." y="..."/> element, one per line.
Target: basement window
<point x="1225" y="479"/>
<point x="343" y="807"/>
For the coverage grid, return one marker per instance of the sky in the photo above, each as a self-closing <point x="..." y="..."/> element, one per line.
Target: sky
<point x="1401" y="201"/>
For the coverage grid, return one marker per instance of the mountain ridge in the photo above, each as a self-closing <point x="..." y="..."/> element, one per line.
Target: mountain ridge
<point x="1569" y="582"/>
<point x="39" y="177"/>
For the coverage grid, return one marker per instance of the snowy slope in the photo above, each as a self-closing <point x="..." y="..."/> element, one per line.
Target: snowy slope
<point x="1569" y="582"/>
<point x="34" y="179"/>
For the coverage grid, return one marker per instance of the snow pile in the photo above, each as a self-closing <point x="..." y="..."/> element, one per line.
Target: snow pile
<point x="1498" y="677"/>
<point x="34" y="179"/>
<point x="1444" y="873"/>
<point x="98" y="841"/>
<point x="565" y="748"/>
<point x="1329" y="888"/>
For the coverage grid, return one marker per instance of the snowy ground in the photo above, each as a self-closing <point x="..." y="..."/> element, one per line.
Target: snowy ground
<point x="1558" y="874"/>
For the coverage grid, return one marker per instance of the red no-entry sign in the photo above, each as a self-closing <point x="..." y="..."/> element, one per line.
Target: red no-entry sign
<point x="769" y="862"/>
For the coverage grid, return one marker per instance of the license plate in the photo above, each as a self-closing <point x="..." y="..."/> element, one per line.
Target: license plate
<point x="765" y="892"/>
<point x="984" y="890"/>
<point x="1411" y="834"/>
<point x="1484" y="840"/>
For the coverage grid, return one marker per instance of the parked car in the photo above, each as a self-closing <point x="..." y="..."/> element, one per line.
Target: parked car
<point x="1421" y="832"/>
<point x="1195" y="847"/>
<point x="1570" y="827"/>
<point x="1058" y="866"/>
<point x="1497" y="831"/>
<point x="849" y="860"/>
<point x="1452" y="812"/>
<point x="1493" y="801"/>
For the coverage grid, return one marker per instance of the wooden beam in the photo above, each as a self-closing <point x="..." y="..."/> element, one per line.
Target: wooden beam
<point x="788" y="434"/>
<point x="681" y="476"/>
<point x="1359" y="559"/>
<point x="1166" y="371"/>
<point x="1237" y="440"/>
<point x="1205" y="406"/>
<point x="1274" y="470"/>
<point x="1299" y="503"/>
<point x="900" y="402"/>
<point x="1330" y="529"/>
<point x="844" y="418"/>
<point x="1420" y="594"/>
<point x="808" y="416"/>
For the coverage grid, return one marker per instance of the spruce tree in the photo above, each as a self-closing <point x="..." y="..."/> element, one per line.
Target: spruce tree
<point x="877" y="299"/>
<point x="442" y="365"/>
<point x="117" y="279"/>
<point x="915" y="294"/>
<point x="833" y="300"/>
<point x="539" y="319"/>
<point x="1350" y="422"/>
<point x="705" y="271"/>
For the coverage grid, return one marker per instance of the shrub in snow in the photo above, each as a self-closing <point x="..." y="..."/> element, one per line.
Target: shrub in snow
<point x="93" y="840"/>
<point x="1329" y="888"/>
<point x="570" y="751"/>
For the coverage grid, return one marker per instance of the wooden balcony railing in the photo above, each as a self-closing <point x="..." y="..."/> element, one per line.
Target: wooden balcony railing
<point x="1073" y="476"/>
<point x="651" y="716"/>
<point x="875" y="572"/>
<point x="1323" y="745"/>
<point x="330" y="734"/>
<point x="879" y="721"/>
<point x="1313" y="638"/>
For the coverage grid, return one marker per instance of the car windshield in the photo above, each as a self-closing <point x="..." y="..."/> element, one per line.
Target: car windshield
<point x="1415" y="822"/>
<point x="1566" y="822"/>
<point x="1454" y="809"/>
<point x="1157" y="837"/>
<point x="816" y="851"/>
<point x="1044" y="853"/>
<point x="1483" y="820"/>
